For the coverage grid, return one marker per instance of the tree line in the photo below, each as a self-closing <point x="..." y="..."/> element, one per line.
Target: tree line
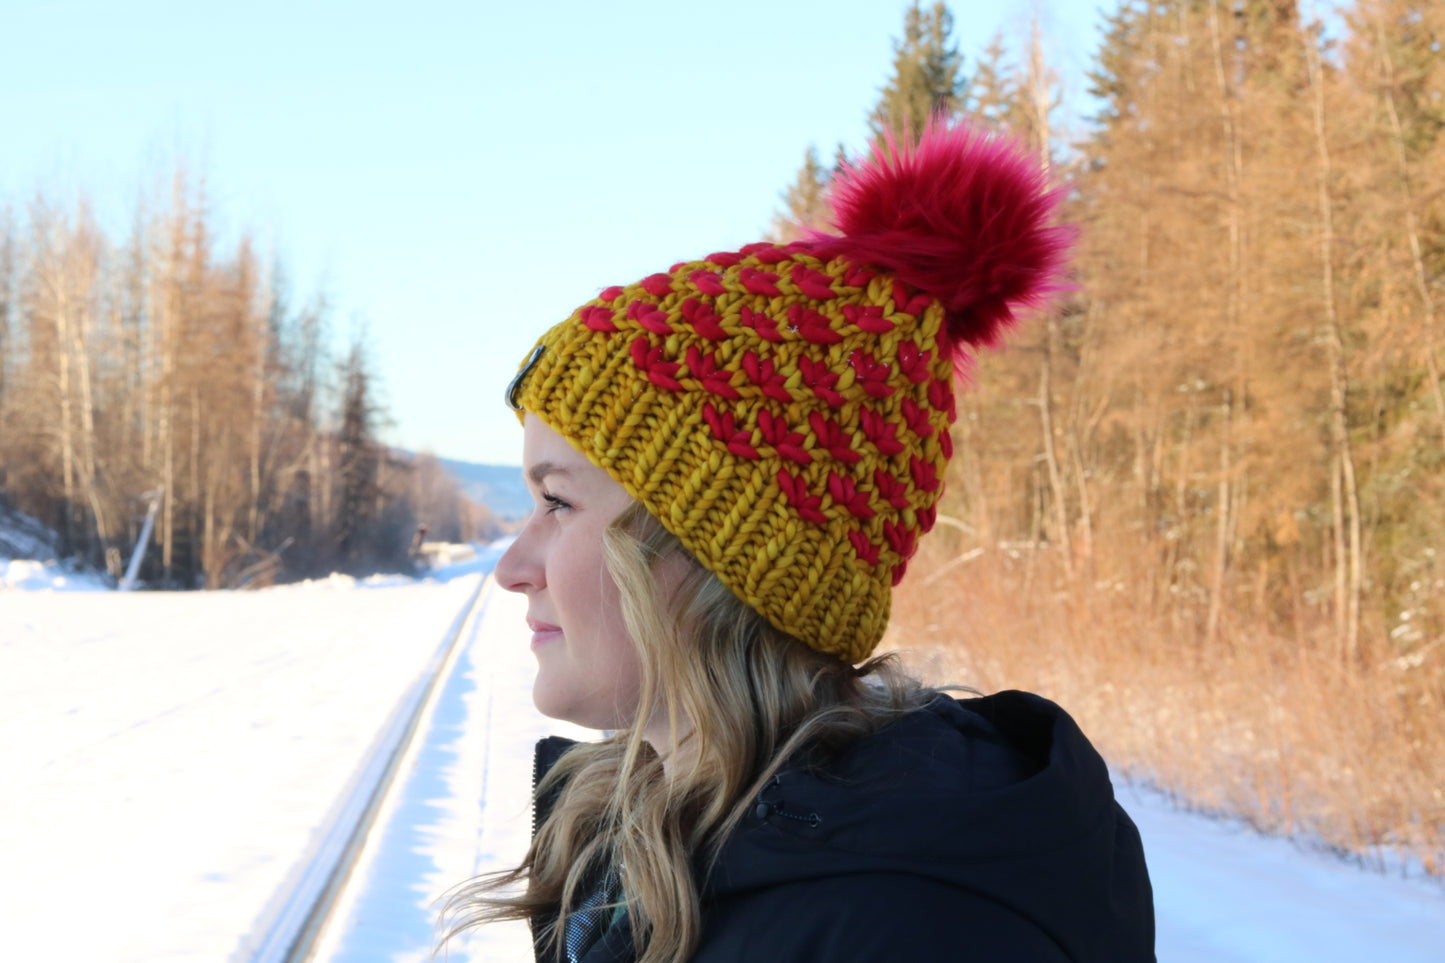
<point x="1202" y="502"/>
<point x="161" y="371"/>
<point x="1239" y="412"/>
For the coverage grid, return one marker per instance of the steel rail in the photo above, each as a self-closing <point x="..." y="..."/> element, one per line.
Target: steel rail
<point x="303" y="909"/>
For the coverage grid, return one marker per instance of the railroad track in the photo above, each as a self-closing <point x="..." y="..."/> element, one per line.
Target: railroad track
<point x="303" y="911"/>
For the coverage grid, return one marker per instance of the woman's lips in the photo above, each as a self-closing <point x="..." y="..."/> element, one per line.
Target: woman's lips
<point x="543" y="631"/>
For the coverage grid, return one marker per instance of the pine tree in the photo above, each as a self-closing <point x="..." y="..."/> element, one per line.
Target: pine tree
<point x="1394" y="219"/>
<point x="927" y="74"/>
<point x="991" y="96"/>
<point x="7" y="275"/>
<point x="1395" y="57"/>
<point x="1120" y="67"/>
<point x="805" y="202"/>
<point x="358" y="452"/>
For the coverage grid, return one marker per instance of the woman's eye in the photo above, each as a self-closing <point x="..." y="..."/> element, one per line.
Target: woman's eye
<point x="553" y="503"/>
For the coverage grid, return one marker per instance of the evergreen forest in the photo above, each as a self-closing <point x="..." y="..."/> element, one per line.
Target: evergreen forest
<point x="1202" y="502"/>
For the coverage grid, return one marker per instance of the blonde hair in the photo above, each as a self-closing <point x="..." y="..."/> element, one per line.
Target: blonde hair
<point x="743" y="697"/>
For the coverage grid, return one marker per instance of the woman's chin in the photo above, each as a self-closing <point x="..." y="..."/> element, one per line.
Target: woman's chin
<point x="555" y="705"/>
<point x="566" y="707"/>
<point x="547" y="703"/>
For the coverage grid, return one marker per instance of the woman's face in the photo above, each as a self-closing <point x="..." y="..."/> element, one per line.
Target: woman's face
<point x="588" y="671"/>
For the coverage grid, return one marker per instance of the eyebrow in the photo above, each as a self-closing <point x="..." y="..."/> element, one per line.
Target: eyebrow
<point x="542" y="469"/>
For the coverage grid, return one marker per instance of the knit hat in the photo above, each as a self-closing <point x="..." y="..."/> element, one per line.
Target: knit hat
<point x="784" y="409"/>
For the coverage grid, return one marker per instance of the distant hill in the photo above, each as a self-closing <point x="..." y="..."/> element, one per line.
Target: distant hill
<point x="499" y="487"/>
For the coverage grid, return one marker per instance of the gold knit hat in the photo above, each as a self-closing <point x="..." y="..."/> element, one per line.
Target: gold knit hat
<point x="784" y="410"/>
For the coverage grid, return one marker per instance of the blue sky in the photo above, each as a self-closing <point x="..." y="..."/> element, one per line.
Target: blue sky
<point x="456" y="177"/>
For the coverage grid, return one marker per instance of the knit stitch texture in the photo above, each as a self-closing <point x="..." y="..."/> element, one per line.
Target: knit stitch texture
<point x="784" y="410"/>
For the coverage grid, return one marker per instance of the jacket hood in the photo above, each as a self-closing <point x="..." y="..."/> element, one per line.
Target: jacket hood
<point x="1000" y="796"/>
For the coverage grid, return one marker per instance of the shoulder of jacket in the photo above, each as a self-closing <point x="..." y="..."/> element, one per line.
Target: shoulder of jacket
<point x="874" y="916"/>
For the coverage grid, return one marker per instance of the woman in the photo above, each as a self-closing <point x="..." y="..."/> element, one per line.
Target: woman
<point x="732" y="463"/>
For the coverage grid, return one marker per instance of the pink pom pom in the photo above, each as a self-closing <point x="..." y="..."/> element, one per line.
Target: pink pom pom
<point x="965" y="216"/>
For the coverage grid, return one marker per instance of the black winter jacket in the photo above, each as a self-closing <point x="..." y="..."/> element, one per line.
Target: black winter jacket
<point x="983" y="829"/>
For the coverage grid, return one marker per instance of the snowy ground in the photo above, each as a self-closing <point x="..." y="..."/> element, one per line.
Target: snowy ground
<point x="1224" y="894"/>
<point x="27" y="559"/>
<point x="168" y="759"/>
<point x="466" y="808"/>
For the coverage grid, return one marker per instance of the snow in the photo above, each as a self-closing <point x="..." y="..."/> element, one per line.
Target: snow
<point x="22" y="536"/>
<point x="168" y="757"/>
<point x="28" y="559"/>
<point x="171" y="759"/>
<point x="466" y="808"/>
<point x="1225" y="894"/>
<point x="30" y="575"/>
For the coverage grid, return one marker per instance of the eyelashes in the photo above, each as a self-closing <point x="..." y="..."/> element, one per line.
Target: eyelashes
<point x="553" y="503"/>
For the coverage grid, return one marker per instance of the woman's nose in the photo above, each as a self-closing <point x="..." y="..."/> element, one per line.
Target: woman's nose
<point x="517" y="570"/>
